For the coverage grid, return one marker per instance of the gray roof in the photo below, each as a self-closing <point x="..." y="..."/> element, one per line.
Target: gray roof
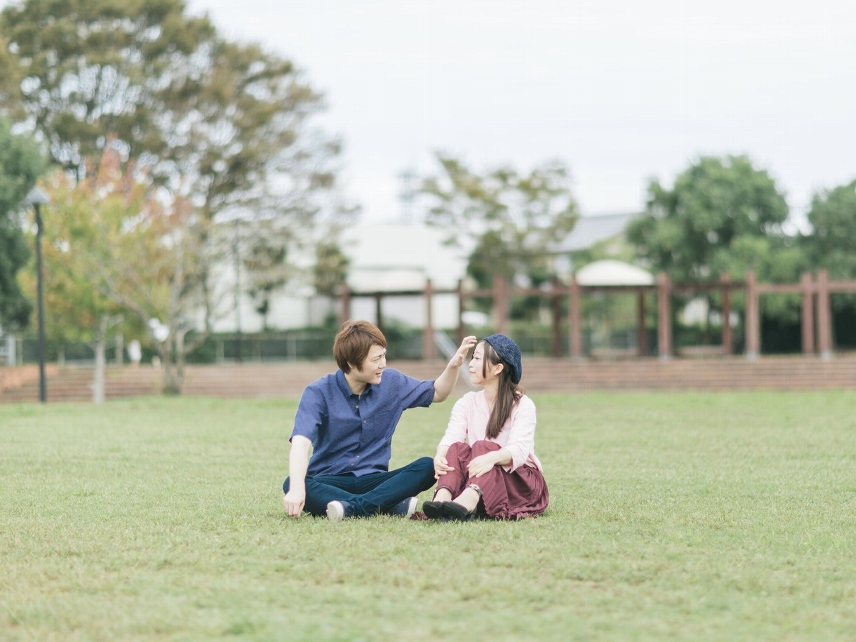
<point x="590" y="230"/>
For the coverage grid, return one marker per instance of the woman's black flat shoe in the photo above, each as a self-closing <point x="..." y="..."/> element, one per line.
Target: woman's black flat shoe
<point x="454" y="511"/>
<point x="433" y="510"/>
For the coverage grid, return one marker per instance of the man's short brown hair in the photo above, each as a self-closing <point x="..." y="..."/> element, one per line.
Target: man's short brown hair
<point x="353" y="342"/>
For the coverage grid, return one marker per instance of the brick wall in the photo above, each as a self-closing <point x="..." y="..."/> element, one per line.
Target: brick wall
<point x="540" y="375"/>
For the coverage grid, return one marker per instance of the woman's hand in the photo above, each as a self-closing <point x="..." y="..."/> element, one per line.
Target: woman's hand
<point x="478" y="466"/>
<point x="441" y="466"/>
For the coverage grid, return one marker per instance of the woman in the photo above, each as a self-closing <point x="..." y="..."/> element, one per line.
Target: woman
<point x="485" y="464"/>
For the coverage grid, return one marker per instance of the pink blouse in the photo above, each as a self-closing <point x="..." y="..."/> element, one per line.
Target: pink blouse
<point x="468" y="423"/>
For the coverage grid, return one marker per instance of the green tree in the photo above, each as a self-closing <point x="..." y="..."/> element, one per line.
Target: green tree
<point x="118" y="245"/>
<point x="721" y="215"/>
<point x="832" y="242"/>
<point x="331" y="268"/>
<point x="76" y="307"/>
<point x="831" y="245"/>
<point x="20" y="164"/>
<point x="508" y="218"/>
<point x="267" y="269"/>
<point x="223" y="126"/>
<point x="79" y="71"/>
<point x="689" y="230"/>
<point x="154" y="261"/>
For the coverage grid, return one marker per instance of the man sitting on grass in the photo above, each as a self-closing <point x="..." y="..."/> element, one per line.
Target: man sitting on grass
<point x="348" y="419"/>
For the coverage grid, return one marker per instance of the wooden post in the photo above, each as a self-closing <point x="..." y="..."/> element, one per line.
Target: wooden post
<point x="575" y="326"/>
<point x="461" y="300"/>
<point x="378" y="299"/>
<point x="641" y="330"/>
<point x="345" y="303"/>
<point x="824" y="315"/>
<point x="500" y="304"/>
<point x="727" y="335"/>
<point x="428" y="349"/>
<point x="753" y="318"/>
<point x="807" y="287"/>
<point x="556" y="309"/>
<point x="664" y="316"/>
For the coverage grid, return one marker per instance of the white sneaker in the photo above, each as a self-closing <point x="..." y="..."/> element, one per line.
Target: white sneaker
<point x="405" y="508"/>
<point x="335" y="511"/>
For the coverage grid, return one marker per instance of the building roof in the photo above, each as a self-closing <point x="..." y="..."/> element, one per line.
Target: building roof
<point x="590" y="230"/>
<point x="610" y="272"/>
<point x="401" y="257"/>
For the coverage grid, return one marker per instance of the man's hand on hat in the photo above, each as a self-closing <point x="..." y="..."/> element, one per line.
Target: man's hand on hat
<point x="467" y="344"/>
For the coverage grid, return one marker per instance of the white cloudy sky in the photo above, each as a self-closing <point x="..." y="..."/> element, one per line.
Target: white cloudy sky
<point x="621" y="90"/>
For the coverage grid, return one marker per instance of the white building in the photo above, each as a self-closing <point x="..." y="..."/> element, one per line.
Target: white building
<point x="383" y="258"/>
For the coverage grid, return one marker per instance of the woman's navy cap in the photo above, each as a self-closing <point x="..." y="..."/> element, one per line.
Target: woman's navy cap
<point x="510" y="353"/>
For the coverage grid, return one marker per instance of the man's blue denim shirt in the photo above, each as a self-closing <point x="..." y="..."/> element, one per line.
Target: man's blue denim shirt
<point x="352" y="434"/>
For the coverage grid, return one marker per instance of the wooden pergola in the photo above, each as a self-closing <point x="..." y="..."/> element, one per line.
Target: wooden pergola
<point x="816" y="309"/>
<point x="574" y="291"/>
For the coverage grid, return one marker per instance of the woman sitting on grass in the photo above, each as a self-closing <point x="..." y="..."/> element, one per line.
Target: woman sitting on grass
<point x="485" y="463"/>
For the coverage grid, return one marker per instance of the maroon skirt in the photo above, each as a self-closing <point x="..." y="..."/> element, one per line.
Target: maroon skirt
<point x="505" y="495"/>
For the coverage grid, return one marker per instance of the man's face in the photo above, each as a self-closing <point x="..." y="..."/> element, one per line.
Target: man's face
<point x="372" y="368"/>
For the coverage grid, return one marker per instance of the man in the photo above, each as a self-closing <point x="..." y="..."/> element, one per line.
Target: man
<point x="348" y="419"/>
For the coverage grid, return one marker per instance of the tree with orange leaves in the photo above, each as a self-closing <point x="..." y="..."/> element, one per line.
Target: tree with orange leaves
<point x="118" y="246"/>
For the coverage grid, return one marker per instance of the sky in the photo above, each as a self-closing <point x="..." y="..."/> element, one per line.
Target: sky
<point x="621" y="91"/>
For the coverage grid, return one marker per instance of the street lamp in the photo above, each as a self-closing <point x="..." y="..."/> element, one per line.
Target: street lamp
<point x="239" y="354"/>
<point x="37" y="198"/>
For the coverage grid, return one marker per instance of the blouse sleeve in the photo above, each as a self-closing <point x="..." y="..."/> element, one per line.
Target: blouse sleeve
<point x="521" y="438"/>
<point x="457" y="428"/>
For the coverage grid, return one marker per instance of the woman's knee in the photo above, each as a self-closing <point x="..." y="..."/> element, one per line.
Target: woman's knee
<point x="484" y="446"/>
<point x="457" y="450"/>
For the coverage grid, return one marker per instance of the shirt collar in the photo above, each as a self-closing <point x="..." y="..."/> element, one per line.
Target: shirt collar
<point x="346" y="390"/>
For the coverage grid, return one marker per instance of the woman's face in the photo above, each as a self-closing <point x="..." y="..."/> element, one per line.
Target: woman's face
<point x="477" y="367"/>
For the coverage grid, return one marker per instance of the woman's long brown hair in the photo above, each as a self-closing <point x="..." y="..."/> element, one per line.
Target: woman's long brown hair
<point x="508" y="393"/>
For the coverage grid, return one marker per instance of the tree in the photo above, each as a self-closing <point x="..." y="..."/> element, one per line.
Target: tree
<point x="509" y="219"/>
<point x="832" y="246"/>
<point x="722" y="215"/>
<point x="154" y="260"/>
<point x="118" y="245"/>
<point x="689" y="231"/>
<point x="222" y="126"/>
<point x="20" y="165"/>
<point x="78" y="71"/>
<point x="267" y="269"/>
<point x="76" y="307"/>
<point x="331" y="268"/>
<point x="832" y="243"/>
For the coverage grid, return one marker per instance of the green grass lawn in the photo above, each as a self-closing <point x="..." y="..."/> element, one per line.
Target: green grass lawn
<point x="673" y="516"/>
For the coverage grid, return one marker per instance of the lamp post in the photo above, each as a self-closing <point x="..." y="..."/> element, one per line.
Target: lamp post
<point x="37" y="198"/>
<point x="239" y="354"/>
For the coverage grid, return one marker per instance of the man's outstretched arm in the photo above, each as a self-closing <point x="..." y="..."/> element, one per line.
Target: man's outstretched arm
<point x="298" y="462"/>
<point x="445" y="383"/>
